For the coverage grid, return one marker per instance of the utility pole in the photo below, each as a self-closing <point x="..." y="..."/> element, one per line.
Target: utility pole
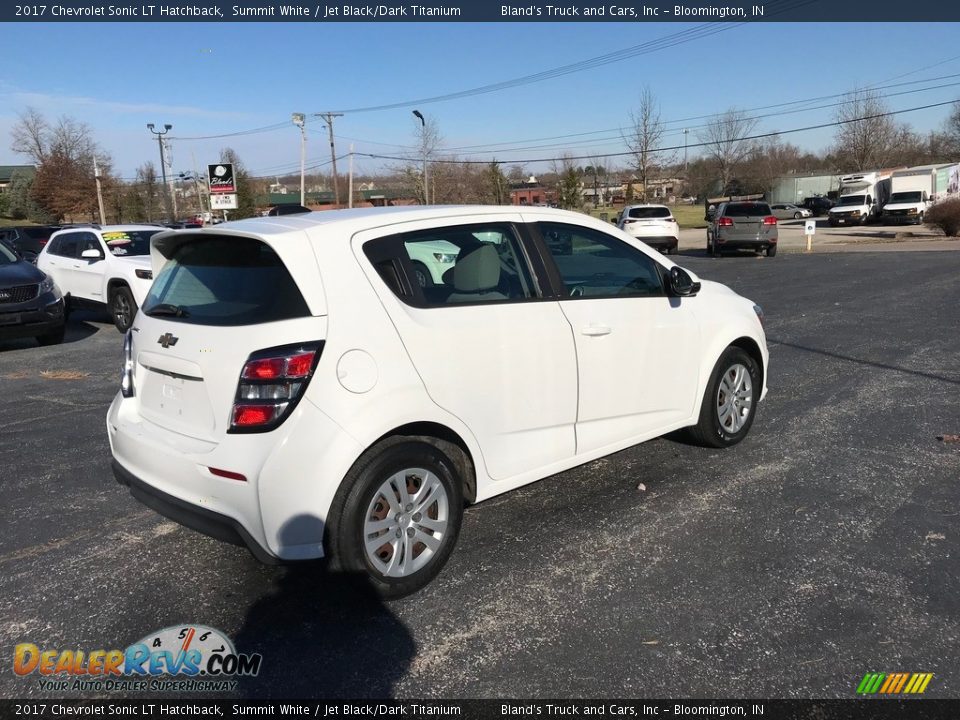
<point x="423" y="142"/>
<point x="300" y="120"/>
<point x="167" y="200"/>
<point x="685" y="131"/>
<point x="96" y="176"/>
<point x="350" y="183"/>
<point x="328" y="118"/>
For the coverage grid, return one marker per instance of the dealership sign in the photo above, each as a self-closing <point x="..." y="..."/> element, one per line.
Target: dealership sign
<point x="223" y="201"/>
<point x="221" y="178"/>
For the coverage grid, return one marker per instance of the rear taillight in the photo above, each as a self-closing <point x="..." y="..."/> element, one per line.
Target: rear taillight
<point x="770" y="220"/>
<point x="670" y="219"/>
<point x="271" y="384"/>
<point x="725" y="222"/>
<point x="126" y="371"/>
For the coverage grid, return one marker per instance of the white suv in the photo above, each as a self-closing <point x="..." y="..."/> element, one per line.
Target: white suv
<point x="290" y="385"/>
<point x="98" y="266"/>
<point x="653" y="224"/>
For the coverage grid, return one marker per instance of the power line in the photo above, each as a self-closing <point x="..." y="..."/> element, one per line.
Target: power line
<point x="597" y="156"/>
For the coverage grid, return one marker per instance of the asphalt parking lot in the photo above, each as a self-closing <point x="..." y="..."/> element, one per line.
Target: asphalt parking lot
<point x="823" y="547"/>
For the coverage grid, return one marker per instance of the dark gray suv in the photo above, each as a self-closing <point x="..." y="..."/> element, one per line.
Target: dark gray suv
<point x="743" y="225"/>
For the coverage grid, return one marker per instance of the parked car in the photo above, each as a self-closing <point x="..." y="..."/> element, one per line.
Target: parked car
<point x="183" y="225"/>
<point x="743" y="226"/>
<point x="27" y="238"/>
<point x="818" y="205"/>
<point x="292" y="387"/>
<point x="787" y="211"/>
<point x="653" y="224"/>
<point x="30" y="301"/>
<point x="102" y="266"/>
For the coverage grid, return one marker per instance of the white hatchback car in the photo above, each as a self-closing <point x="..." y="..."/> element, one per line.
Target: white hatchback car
<point x="290" y="385"/>
<point x="653" y="224"/>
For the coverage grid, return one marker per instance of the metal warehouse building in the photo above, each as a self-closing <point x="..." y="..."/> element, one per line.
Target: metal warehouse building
<point x="794" y="188"/>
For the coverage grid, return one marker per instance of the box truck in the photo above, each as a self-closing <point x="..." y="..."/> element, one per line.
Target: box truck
<point x="861" y="198"/>
<point x="911" y="194"/>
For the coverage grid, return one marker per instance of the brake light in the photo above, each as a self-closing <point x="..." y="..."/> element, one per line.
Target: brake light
<point x="271" y="384"/>
<point x="670" y="219"/>
<point x="725" y="222"/>
<point x="126" y="369"/>
<point x="770" y="220"/>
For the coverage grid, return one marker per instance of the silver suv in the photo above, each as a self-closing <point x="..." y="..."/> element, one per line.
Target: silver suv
<point x="742" y="225"/>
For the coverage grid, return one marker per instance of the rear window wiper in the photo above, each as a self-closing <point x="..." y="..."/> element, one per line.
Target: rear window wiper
<point x="167" y="310"/>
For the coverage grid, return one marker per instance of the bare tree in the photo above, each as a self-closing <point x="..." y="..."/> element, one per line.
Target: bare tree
<point x="30" y="135"/>
<point x="726" y="142"/>
<point x="64" y="154"/>
<point x="148" y="188"/>
<point x="865" y="138"/>
<point x="644" y="138"/>
<point x="429" y="140"/>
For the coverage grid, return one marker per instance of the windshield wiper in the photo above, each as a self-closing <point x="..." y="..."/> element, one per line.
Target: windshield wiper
<point x="167" y="310"/>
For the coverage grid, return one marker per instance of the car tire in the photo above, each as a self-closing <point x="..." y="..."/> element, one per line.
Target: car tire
<point x="734" y="386"/>
<point x="123" y="308"/>
<point x="422" y="274"/>
<point x="920" y="219"/>
<point x="771" y="250"/>
<point x="371" y="506"/>
<point x="52" y="338"/>
<point x="67" y="307"/>
<point x="797" y="216"/>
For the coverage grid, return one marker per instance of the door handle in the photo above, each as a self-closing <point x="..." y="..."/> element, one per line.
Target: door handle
<point x="596" y="330"/>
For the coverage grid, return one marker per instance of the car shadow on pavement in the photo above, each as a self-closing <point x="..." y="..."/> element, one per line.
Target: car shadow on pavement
<point x="75" y="332"/>
<point x="323" y="635"/>
<point x="860" y="361"/>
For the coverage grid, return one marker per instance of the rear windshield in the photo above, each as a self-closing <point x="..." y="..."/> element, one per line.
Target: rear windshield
<point x="649" y="212"/>
<point x="38" y="233"/>
<point x="225" y="281"/>
<point x="747" y="210"/>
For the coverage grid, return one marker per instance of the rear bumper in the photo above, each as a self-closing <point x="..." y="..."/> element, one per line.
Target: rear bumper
<point x="746" y="244"/>
<point x="208" y="522"/>
<point x="661" y="241"/>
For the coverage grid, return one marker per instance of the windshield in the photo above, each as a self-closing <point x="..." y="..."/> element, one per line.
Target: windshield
<point x="852" y="200"/>
<point x="129" y="242"/>
<point x="649" y="212"/>
<point x="6" y="255"/>
<point x="906" y="197"/>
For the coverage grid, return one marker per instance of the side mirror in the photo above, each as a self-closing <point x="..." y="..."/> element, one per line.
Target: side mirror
<point x="681" y="284"/>
<point x="92" y="254"/>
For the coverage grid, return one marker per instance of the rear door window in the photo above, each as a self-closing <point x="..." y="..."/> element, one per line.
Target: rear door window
<point x="455" y="265"/>
<point x="225" y="281"/>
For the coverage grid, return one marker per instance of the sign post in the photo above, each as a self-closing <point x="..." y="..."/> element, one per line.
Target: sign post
<point x="811" y="228"/>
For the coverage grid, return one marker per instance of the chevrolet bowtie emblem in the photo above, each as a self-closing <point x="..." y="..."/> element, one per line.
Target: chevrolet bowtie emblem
<point x="167" y="339"/>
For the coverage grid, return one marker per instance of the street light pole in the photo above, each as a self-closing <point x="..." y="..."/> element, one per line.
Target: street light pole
<point x="299" y="119"/>
<point x="423" y="142"/>
<point x="167" y="200"/>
